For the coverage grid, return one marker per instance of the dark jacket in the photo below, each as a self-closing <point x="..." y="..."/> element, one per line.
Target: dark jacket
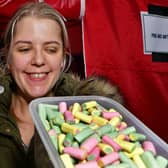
<point x="13" y="153"/>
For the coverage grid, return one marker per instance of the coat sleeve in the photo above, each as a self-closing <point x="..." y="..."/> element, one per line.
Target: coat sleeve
<point x="5" y="92"/>
<point x="10" y="155"/>
<point x="6" y="158"/>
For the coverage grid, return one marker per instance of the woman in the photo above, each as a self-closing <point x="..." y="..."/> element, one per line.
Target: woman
<point x="35" y="56"/>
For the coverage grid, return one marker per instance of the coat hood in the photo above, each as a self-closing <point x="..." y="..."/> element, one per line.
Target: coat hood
<point x="68" y="85"/>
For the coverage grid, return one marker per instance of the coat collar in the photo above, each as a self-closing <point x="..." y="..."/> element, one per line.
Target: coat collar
<point x="6" y="85"/>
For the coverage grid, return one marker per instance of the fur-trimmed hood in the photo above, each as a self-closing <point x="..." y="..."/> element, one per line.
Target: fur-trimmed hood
<point x="98" y="86"/>
<point x="72" y="85"/>
<point x="68" y="85"/>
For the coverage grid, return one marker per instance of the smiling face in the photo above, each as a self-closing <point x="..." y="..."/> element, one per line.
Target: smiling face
<point x="36" y="56"/>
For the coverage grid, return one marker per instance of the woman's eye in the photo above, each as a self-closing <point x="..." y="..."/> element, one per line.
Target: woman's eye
<point x="24" y="49"/>
<point x="51" y="50"/>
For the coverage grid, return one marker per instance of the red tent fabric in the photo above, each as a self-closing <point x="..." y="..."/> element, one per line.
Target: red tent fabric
<point x="70" y="9"/>
<point x="113" y="47"/>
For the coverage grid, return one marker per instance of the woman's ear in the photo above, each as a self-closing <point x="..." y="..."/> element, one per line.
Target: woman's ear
<point x="63" y="64"/>
<point x="8" y="67"/>
<point x="8" y="62"/>
<point x="66" y="61"/>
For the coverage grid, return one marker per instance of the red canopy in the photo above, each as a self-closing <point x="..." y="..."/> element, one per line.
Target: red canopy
<point x="114" y="49"/>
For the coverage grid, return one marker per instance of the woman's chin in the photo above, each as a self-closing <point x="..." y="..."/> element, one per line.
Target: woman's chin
<point x="37" y="94"/>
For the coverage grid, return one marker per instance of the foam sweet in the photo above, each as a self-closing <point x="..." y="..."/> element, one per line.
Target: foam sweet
<point x="89" y="164"/>
<point x="69" y="118"/>
<point x="88" y="135"/>
<point x="62" y="107"/>
<point x="149" y="146"/>
<point x="89" y="144"/>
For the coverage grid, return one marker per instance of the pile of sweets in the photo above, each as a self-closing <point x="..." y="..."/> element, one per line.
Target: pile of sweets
<point x="87" y="135"/>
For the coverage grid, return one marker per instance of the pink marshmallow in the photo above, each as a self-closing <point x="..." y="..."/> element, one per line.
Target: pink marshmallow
<point x="109" y="115"/>
<point x="111" y="142"/>
<point x="75" y="152"/>
<point x="149" y="146"/>
<point x="62" y="107"/>
<point x="68" y="116"/>
<point x="95" y="152"/>
<point x="52" y="132"/>
<point x="122" y="126"/>
<point x="89" y="164"/>
<point x="108" y="159"/>
<point x="89" y="144"/>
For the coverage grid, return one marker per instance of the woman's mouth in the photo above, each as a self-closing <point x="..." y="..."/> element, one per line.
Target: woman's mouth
<point x="38" y="75"/>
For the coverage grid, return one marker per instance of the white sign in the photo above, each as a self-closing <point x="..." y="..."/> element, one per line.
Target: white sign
<point x="155" y="33"/>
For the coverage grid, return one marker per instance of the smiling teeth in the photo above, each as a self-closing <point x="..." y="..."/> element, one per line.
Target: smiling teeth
<point x="38" y="75"/>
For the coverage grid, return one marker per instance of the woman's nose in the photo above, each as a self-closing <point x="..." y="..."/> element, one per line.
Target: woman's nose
<point x="38" y="58"/>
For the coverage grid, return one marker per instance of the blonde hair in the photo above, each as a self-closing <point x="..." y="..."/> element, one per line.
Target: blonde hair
<point x="41" y="10"/>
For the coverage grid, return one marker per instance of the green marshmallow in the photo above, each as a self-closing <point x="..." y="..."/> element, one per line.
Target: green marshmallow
<point x="162" y="161"/>
<point x="46" y="125"/>
<point x="85" y="112"/>
<point x="42" y="112"/>
<point x="75" y="144"/>
<point x="125" y="159"/>
<point x="82" y="135"/>
<point x="58" y="119"/>
<point x="96" y="136"/>
<point x="80" y="126"/>
<point x="68" y="139"/>
<point x="113" y="134"/>
<point x="51" y="115"/>
<point x="105" y="129"/>
<point x="128" y="130"/>
<point x="96" y="112"/>
<point x="91" y="157"/>
<point x="43" y="116"/>
<point x="56" y="128"/>
<point x="107" y="150"/>
<point x="54" y="141"/>
<point x="120" y="165"/>
<point x="53" y="107"/>
<point x="149" y="160"/>
<point x="93" y="126"/>
<point x="137" y="136"/>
